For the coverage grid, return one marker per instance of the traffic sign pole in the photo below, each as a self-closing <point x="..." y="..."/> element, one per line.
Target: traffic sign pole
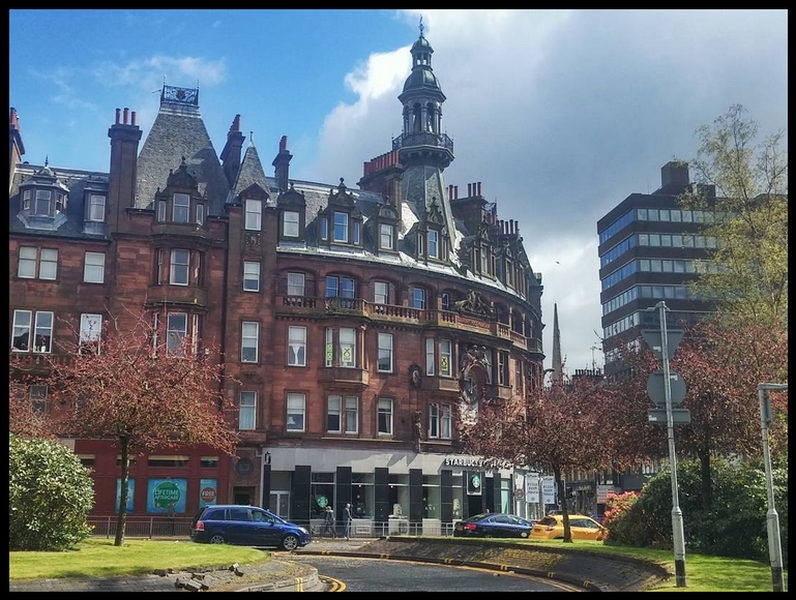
<point x="677" y="514"/>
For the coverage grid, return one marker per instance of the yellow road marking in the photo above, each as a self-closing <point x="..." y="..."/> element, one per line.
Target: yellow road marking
<point x="560" y="585"/>
<point x="337" y="585"/>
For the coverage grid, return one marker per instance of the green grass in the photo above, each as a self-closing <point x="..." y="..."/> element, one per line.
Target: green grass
<point x="703" y="573"/>
<point x="100" y="558"/>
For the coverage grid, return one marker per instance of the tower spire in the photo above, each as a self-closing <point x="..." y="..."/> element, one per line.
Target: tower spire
<point x="558" y="366"/>
<point x="421" y="26"/>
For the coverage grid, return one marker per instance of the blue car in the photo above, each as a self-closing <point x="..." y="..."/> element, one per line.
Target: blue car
<point x="493" y="525"/>
<point x="248" y="525"/>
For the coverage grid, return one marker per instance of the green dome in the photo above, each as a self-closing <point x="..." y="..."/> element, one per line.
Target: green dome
<point x="422" y="45"/>
<point x="420" y="78"/>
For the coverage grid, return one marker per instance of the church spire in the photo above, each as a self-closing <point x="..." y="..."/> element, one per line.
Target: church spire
<point x="558" y="365"/>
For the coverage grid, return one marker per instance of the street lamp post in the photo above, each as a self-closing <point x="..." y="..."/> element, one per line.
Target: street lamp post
<point x="677" y="514"/>
<point x="772" y="518"/>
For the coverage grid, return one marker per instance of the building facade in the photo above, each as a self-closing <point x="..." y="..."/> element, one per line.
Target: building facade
<point x="357" y="327"/>
<point x="650" y="249"/>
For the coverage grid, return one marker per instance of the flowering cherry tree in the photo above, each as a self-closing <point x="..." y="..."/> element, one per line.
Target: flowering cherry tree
<point x="133" y="385"/>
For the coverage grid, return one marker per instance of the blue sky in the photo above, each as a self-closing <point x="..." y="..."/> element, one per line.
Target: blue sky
<point x="561" y="114"/>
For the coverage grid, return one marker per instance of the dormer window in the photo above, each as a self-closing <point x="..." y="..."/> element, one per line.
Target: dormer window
<point x="356" y="232"/>
<point x="161" y="210"/>
<point x="433" y="247"/>
<point x="341" y="227"/>
<point x="387" y="237"/>
<point x="182" y="208"/>
<point x="44" y="202"/>
<point x="484" y="260"/>
<point x="290" y="224"/>
<point x="421" y="245"/>
<point x="26" y="200"/>
<point x="324" y="229"/>
<point x="200" y="214"/>
<point x="60" y="205"/>
<point x="96" y="209"/>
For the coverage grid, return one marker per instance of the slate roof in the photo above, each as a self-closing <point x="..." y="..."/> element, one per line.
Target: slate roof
<point x="76" y="181"/>
<point x="179" y="131"/>
<point x="250" y="172"/>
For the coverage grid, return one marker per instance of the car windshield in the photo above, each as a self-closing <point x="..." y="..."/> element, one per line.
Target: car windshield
<point x="547" y="521"/>
<point x="476" y="518"/>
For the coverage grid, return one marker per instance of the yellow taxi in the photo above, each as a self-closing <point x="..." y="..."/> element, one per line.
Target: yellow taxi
<point x="582" y="527"/>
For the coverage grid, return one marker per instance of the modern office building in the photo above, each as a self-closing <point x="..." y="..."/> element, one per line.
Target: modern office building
<point x="358" y="325"/>
<point x="648" y="248"/>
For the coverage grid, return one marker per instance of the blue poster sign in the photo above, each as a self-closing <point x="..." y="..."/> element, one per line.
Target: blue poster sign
<point x="130" y="493"/>
<point x="208" y="492"/>
<point x="163" y="492"/>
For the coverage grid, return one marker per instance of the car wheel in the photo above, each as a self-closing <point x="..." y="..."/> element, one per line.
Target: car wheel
<point x="290" y="542"/>
<point x="217" y="539"/>
<point x="524" y="534"/>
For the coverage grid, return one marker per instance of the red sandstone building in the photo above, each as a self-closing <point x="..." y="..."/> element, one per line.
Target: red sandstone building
<point x="361" y="324"/>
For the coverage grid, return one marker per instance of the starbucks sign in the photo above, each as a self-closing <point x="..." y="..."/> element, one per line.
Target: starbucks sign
<point x="322" y="501"/>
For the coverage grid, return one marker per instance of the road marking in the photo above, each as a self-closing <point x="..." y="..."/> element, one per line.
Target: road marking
<point x="299" y="584"/>
<point x="558" y="584"/>
<point x="337" y="585"/>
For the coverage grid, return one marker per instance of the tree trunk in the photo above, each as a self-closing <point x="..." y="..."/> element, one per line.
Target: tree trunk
<point x="562" y="498"/>
<point x="121" y="520"/>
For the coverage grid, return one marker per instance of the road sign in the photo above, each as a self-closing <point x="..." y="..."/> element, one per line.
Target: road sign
<point x="653" y="339"/>
<point x="603" y="491"/>
<point x="549" y="489"/>
<point x="657" y="393"/>
<point x="680" y="416"/>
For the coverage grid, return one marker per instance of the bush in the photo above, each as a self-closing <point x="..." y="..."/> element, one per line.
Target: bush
<point x="49" y="493"/>
<point x="735" y="525"/>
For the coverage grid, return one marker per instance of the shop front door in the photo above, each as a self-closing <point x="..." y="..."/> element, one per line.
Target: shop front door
<point x="280" y="504"/>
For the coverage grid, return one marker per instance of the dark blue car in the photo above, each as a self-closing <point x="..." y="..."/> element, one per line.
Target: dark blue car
<point x="249" y="525"/>
<point x="493" y="525"/>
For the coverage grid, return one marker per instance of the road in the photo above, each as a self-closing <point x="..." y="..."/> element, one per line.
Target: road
<point x="368" y="575"/>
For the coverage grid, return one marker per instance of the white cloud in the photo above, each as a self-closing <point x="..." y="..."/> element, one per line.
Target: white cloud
<point x="61" y="78"/>
<point x="563" y="114"/>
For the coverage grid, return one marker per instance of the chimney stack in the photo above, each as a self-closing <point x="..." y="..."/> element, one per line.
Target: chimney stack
<point x="282" y="165"/>
<point x="231" y="154"/>
<point x="124" y="165"/>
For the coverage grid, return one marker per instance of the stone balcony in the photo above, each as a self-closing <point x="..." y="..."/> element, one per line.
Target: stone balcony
<point x="391" y="313"/>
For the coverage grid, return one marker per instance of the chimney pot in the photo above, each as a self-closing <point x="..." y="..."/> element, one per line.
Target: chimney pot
<point x="132" y="118"/>
<point x="283" y="143"/>
<point x="469" y="189"/>
<point x="126" y="115"/>
<point x="118" y="115"/>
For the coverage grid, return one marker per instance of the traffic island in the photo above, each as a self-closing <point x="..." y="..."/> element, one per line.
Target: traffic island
<point x="589" y="570"/>
<point x="275" y="575"/>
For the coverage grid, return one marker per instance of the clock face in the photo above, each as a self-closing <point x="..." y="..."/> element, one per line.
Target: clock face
<point x="471" y="392"/>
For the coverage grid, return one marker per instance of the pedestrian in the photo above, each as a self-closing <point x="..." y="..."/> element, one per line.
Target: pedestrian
<point x="347" y="518"/>
<point x="329" y="522"/>
<point x="170" y="513"/>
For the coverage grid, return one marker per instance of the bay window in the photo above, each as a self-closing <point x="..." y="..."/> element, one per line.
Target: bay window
<point x="181" y="208"/>
<point x="180" y="263"/>
<point x="348" y="347"/>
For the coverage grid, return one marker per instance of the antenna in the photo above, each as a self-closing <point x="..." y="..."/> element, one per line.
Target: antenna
<point x="593" y="365"/>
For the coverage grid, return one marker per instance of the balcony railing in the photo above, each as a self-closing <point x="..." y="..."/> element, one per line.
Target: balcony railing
<point x="407" y="314"/>
<point x="423" y="138"/>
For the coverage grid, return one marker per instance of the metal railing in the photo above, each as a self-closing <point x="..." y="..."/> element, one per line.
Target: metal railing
<point x="180" y="527"/>
<point x="423" y="138"/>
